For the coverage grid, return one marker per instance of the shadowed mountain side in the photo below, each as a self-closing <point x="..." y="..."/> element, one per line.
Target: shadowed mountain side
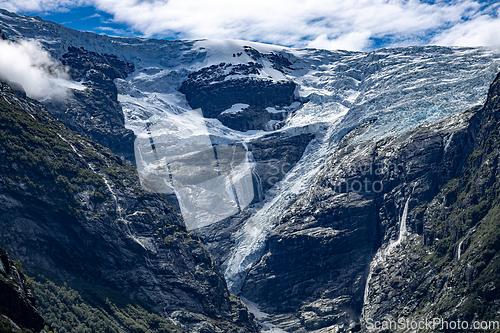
<point x="72" y="209"/>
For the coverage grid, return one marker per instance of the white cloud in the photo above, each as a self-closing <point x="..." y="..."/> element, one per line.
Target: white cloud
<point x="347" y="24"/>
<point x="350" y="41"/>
<point x="41" y="5"/>
<point x="28" y="64"/>
<point x="481" y="31"/>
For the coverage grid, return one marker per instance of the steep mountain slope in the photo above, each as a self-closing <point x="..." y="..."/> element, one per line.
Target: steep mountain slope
<point x="17" y="305"/>
<point x="403" y="227"/>
<point x="450" y="270"/>
<point x="332" y="232"/>
<point x="95" y="112"/>
<point x="73" y="211"/>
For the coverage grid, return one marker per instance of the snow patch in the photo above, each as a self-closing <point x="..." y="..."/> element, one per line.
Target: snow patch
<point x="236" y="108"/>
<point x="260" y="317"/>
<point x="273" y="110"/>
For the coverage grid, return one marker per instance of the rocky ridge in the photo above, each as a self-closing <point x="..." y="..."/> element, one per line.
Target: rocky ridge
<point x="95" y="112"/>
<point x="217" y="88"/>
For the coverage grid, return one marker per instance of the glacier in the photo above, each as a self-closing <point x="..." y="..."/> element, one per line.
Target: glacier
<point x="400" y="88"/>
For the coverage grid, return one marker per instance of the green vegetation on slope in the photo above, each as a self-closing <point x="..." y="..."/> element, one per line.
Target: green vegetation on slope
<point x="76" y="212"/>
<point x="18" y="311"/>
<point x="41" y="156"/>
<point x="67" y="311"/>
<point x="35" y="157"/>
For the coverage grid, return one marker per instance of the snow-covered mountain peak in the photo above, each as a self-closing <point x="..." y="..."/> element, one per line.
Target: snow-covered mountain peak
<point x="232" y="51"/>
<point x="286" y="93"/>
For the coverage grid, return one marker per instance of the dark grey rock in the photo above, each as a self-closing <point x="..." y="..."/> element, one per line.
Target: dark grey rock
<point x="274" y="156"/>
<point x="17" y="303"/>
<point x="219" y="96"/>
<point x="251" y="118"/>
<point x="446" y="270"/>
<point x="95" y="112"/>
<point x="213" y="90"/>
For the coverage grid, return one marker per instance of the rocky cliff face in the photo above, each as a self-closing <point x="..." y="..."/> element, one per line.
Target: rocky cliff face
<point x="17" y="305"/>
<point x="329" y="236"/>
<point x="217" y="88"/>
<point x="273" y="156"/>
<point x="72" y="209"/>
<point x="448" y="269"/>
<point x="95" y="112"/>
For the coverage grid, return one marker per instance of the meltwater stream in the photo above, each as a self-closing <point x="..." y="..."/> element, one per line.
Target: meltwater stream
<point x="146" y="243"/>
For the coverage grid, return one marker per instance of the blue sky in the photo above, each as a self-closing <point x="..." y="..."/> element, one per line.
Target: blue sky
<point x="86" y="18"/>
<point x="361" y="25"/>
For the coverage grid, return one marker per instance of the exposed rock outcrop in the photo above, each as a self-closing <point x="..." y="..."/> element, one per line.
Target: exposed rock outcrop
<point x="95" y="112"/>
<point x="318" y="257"/>
<point x="216" y="88"/>
<point x="273" y="156"/>
<point x="448" y="270"/>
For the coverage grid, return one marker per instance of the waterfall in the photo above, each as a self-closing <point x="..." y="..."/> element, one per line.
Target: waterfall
<point x="230" y="178"/>
<point x="448" y="141"/>
<point x="379" y="257"/>
<point x="402" y="225"/>
<point x="459" y="248"/>
<point x="250" y="240"/>
<point x="402" y="230"/>
<point x="382" y="254"/>
<point x="144" y="242"/>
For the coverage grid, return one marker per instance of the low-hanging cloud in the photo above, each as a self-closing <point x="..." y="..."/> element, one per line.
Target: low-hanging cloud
<point x="27" y="63"/>
<point x="331" y="24"/>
